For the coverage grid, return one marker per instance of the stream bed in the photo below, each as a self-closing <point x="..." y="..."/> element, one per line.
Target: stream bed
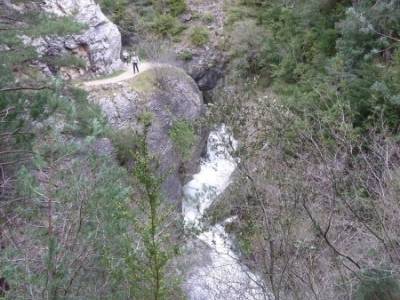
<point x="218" y="273"/>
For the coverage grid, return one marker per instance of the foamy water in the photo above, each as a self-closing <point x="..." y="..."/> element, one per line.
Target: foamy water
<point x="222" y="276"/>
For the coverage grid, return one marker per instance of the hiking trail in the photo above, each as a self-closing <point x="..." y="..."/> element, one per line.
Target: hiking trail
<point x="126" y="75"/>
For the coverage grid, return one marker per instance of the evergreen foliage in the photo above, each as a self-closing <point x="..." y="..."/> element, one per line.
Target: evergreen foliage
<point x="63" y="212"/>
<point x="30" y="97"/>
<point x="347" y="53"/>
<point x="140" y="17"/>
<point x="166" y="25"/>
<point x="156" y="256"/>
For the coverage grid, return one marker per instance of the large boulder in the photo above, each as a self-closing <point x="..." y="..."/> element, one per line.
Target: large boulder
<point x="169" y="95"/>
<point x="99" y="44"/>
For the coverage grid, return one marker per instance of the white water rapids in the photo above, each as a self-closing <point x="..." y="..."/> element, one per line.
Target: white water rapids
<point x="220" y="274"/>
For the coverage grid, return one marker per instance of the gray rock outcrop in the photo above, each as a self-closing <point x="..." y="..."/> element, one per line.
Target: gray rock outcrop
<point x="206" y="64"/>
<point x="207" y="78"/>
<point x="168" y="94"/>
<point x="99" y="45"/>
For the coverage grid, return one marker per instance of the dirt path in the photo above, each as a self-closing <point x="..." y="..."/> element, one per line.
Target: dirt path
<point x="127" y="74"/>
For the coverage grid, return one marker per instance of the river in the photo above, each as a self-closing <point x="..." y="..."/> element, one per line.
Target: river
<point x="219" y="275"/>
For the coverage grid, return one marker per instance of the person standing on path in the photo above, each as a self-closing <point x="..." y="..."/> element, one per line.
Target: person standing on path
<point x="135" y="63"/>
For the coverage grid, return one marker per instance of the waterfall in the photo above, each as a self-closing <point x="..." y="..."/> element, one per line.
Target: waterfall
<point x="220" y="274"/>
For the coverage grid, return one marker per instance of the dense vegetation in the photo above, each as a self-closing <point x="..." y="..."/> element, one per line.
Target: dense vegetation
<point x="330" y="55"/>
<point x="137" y="18"/>
<point x="73" y="222"/>
<point x="312" y="92"/>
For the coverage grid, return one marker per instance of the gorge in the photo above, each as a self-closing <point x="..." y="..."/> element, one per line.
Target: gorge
<point x="255" y="155"/>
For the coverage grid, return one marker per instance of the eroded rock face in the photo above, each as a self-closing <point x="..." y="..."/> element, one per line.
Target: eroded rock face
<point x="177" y="98"/>
<point x="207" y="62"/>
<point x="99" y="45"/>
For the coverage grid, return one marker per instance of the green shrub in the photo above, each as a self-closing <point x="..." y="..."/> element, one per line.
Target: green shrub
<point x="125" y="141"/>
<point x="183" y="136"/>
<point x="199" y="36"/>
<point x="177" y="7"/>
<point x="167" y="25"/>
<point x="146" y="118"/>
<point x="185" y="55"/>
<point x="46" y="25"/>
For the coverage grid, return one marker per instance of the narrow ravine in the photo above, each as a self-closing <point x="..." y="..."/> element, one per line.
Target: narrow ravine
<point x="220" y="274"/>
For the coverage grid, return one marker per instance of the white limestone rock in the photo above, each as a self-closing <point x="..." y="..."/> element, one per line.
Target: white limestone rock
<point x="99" y="45"/>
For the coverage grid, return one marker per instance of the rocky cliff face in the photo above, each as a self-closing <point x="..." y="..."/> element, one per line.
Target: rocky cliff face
<point x="99" y="44"/>
<point x="207" y="63"/>
<point x="168" y="95"/>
